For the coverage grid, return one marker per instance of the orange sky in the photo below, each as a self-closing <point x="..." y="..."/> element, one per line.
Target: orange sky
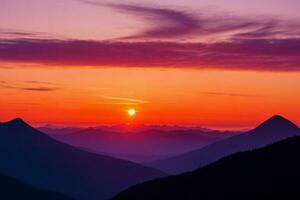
<point x="88" y="96"/>
<point x="219" y="64"/>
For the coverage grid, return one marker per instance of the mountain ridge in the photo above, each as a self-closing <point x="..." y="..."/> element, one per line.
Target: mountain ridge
<point x="40" y="161"/>
<point x="271" y="130"/>
<point x="122" y="143"/>
<point x="13" y="189"/>
<point x="275" y="122"/>
<point x="268" y="173"/>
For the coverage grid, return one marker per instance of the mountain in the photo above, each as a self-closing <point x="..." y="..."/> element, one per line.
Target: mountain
<point x="52" y="130"/>
<point x="11" y="189"/>
<point x="274" y="129"/>
<point x="138" y="144"/>
<point x="268" y="173"/>
<point x="38" y="160"/>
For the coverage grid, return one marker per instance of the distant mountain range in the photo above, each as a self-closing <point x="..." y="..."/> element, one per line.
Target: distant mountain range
<point x="138" y="144"/>
<point x="274" y="129"/>
<point x="268" y="173"/>
<point x="38" y="160"/>
<point x="30" y="159"/>
<point x="11" y="189"/>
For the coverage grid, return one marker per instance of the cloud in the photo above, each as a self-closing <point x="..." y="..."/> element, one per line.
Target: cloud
<point x="35" y="89"/>
<point x="39" y="89"/>
<point x="168" y="23"/>
<point x="172" y="24"/>
<point x="99" y="88"/>
<point x="125" y="99"/>
<point x="10" y="33"/>
<point x="165" y="23"/>
<point x="233" y="94"/>
<point x="118" y="103"/>
<point x="13" y="34"/>
<point x="227" y="42"/>
<point x="241" y="54"/>
<point x="40" y="83"/>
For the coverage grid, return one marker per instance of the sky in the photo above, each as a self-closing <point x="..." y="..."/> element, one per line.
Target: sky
<point x="219" y="64"/>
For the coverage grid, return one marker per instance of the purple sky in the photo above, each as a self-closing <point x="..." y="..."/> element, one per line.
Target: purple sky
<point x="229" y="34"/>
<point x="82" y="19"/>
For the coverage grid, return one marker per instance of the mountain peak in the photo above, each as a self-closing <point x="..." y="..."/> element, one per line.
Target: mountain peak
<point x="279" y="117"/>
<point x="278" y="123"/>
<point x="17" y="122"/>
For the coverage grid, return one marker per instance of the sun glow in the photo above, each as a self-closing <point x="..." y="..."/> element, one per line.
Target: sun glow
<point x="131" y="112"/>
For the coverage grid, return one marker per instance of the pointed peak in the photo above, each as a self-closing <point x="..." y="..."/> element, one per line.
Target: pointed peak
<point x="17" y="122"/>
<point x="278" y="118"/>
<point x="277" y="122"/>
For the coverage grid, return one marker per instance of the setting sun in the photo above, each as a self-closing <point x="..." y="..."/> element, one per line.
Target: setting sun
<point x="131" y="112"/>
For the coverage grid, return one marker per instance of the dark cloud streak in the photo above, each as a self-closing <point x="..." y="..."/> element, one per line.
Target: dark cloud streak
<point x="35" y="89"/>
<point x="39" y="89"/>
<point x="258" y="54"/>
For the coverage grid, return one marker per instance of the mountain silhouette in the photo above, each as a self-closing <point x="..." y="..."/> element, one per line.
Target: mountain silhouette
<point x="11" y="189"/>
<point x="137" y="144"/>
<point x="40" y="161"/>
<point x="272" y="130"/>
<point x="277" y="124"/>
<point x="268" y="173"/>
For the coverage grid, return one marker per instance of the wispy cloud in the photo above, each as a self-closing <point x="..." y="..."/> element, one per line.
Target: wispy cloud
<point x="14" y="34"/>
<point x="25" y="88"/>
<point x="168" y="23"/>
<point x="233" y="94"/>
<point x="41" y="83"/>
<point x="38" y="82"/>
<point x="113" y="100"/>
<point x="118" y="103"/>
<point x="124" y="99"/>
<point x="99" y="88"/>
<point x="39" y="89"/>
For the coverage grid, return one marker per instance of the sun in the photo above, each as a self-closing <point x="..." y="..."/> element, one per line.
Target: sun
<point x="131" y="112"/>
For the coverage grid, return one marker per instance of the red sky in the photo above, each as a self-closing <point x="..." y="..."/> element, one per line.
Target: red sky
<point x="212" y="98"/>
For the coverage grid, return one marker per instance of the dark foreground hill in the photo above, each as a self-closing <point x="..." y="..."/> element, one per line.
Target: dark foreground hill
<point x="11" y="189"/>
<point x="272" y="130"/>
<point x="271" y="172"/>
<point x="38" y="160"/>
